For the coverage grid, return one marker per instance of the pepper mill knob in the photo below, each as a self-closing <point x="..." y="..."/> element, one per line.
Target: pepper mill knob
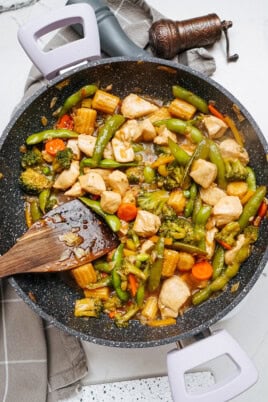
<point x="167" y="38"/>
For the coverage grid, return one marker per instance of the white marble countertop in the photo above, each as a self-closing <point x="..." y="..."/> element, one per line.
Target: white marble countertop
<point x="248" y="81"/>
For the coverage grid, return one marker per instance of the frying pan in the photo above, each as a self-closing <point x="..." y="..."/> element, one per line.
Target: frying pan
<point x="54" y="297"/>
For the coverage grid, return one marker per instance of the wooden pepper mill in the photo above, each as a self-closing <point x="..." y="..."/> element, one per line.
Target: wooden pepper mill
<point x="167" y="38"/>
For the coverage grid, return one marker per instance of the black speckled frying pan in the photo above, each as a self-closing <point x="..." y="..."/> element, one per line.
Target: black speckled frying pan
<point x="54" y="297"/>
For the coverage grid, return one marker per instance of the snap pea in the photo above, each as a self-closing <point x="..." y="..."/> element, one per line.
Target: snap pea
<point x="216" y="158"/>
<point x="156" y="268"/>
<point x="35" y="211"/>
<point x="188" y="248"/>
<point x="251" y="207"/>
<point x="251" y="179"/>
<point x="200" y="221"/>
<point x="112" y="220"/>
<point x="105" y="133"/>
<point x="179" y="154"/>
<point x="75" y="98"/>
<point x="218" y="262"/>
<point x="106" y="164"/>
<point x="116" y="278"/>
<point x="188" y="96"/>
<point x="43" y="199"/>
<point x="36" y="138"/>
<point x="148" y="174"/>
<point x="201" y="296"/>
<point x="103" y="266"/>
<point x="196" y="207"/>
<point x="181" y="127"/>
<point x="190" y="203"/>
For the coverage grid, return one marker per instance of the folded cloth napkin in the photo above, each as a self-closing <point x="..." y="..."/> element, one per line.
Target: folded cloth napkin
<point x="38" y="362"/>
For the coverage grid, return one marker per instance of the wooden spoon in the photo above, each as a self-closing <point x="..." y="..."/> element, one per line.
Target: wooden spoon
<point x="66" y="237"/>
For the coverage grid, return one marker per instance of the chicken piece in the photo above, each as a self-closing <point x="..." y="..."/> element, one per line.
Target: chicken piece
<point x="133" y="107"/>
<point x="75" y="190"/>
<point x="130" y="197"/>
<point x="230" y="254"/>
<point x="147" y="247"/>
<point x="123" y="151"/>
<point x="163" y="134"/>
<point x="210" y="242"/>
<point x="67" y="177"/>
<point x="130" y="131"/>
<point x="118" y="181"/>
<point x="110" y="201"/>
<point x="203" y="172"/>
<point x="93" y="183"/>
<point x="104" y="173"/>
<point x="231" y="150"/>
<point x="86" y="144"/>
<point x="146" y="224"/>
<point x="108" y="152"/>
<point x="173" y="295"/>
<point x="73" y="145"/>
<point x="148" y="131"/>
<point x="227" y="209"/>
<point x="215" y="127"/>
<point x="212" y="194"/>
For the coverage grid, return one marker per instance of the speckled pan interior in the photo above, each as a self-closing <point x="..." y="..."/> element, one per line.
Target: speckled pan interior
<point x="54" y="298"/>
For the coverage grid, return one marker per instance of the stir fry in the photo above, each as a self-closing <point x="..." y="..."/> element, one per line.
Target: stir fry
<point x="172" y="179"/>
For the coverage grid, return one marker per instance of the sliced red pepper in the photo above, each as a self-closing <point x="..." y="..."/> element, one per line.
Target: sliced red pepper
<point x="66" y="122"/>
<point x="215" y="112"/>
<point x="262" y="211"/>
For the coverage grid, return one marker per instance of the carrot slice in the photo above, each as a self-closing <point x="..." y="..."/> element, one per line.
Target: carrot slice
<point x="127" y="212"/>
<point x="202" y="270"/>
<point x="54" y="145"/>
<point x="133" y="284"/>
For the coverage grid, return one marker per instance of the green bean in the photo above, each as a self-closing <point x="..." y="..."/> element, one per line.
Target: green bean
<point x="116" y="278"/>
<point x="149" y="174"/>
<point x="216" y="158"/>
<point x="75" y="98"/>
<point x="156" y="268"/>
<point x="218" y="261"/>
<point x="105" y="133"/>
<point x="181" y="127"/>
<point x="201" y="296"/>
<point x="140" y="295"/>
<point x="188" y="248"/>
<point x="43" y="199"/>
<point x="179" y="154"/>
<point x="36" y="138"/>
<point x="188" y="96"/>
<point x="251" y="207"/>
<point x="112" y="220"/>
<point x="190" y="203"/>
<point x="106" y="164"/>
<point x="251" y="179"/>
<point x="35" y="211"/>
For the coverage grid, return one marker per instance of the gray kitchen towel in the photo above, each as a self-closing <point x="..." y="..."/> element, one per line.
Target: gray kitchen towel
<point x="38" y="362"/>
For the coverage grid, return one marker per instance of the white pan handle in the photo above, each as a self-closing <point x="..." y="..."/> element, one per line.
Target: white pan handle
<point x="52" y="61"/>
<point x="218" y="344"/>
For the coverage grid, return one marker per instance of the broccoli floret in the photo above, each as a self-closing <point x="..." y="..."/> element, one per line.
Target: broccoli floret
<point x="32" y="157"/>
<point x="228" y="233"/>
<point x="112" y="304"/>
<point x="251" y="233"/>
<point x="88" y="307"/>
<point x="235" y="170"/>
<point x="135" y="174"/>
<point x="63" y="160"/>
<point x="33" y="182"/>
<point x="153" y="201"/>
<point x="121" y="320"/>
<point x="169" y="213"/>
<point x="179" y="229"/>
<point x="173" y="179"/>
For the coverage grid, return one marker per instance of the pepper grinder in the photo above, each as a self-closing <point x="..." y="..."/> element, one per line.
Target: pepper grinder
<point x="167" y="38"/>
<point x="113" y="39"/>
